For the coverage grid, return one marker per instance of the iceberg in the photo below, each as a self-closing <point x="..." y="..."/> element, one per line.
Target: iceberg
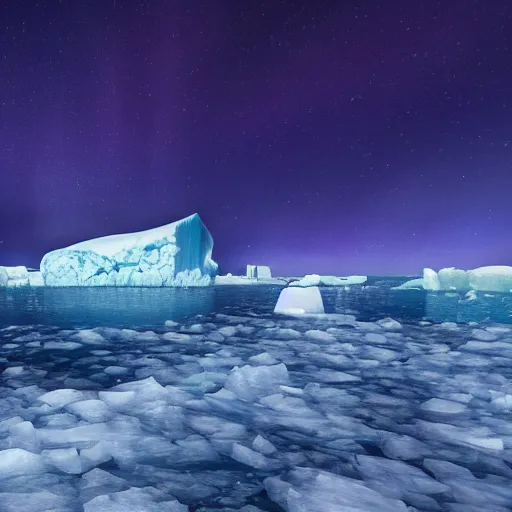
<point x="177" y="254"/>
<point x="14" y="276"/>
<point x="258" y="272"/>
<point x="496" y="278"/>
<point x="243" y="280"/>
<point x="300" y="301"/>
<point x="4" y="277"/>
<point x="317" y="280"/>
<point x="35" y="279"/>
<point x="431" y="280"/>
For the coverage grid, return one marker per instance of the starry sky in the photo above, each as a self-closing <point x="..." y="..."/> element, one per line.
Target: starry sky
<point x="334" y="137"/>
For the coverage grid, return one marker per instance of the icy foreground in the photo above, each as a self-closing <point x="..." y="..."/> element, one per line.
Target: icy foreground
<point x="178" y="254"/>
<point x="242" y="413"/>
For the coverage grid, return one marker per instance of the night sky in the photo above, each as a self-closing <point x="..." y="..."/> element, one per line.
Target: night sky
<point x="321" y="136"/>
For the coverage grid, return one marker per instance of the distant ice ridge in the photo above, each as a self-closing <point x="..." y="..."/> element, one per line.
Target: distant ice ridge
<point x="258" y="272"/>
<point x="243" y="280"/>
<point x="317" y="280"/>
<point x="177" y="254"/>
<point x="496" y="278"/>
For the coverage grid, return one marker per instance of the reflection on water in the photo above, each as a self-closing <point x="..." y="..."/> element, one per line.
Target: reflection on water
<point x="452" y="307"/>
<point x="151" y="307"/>
<point x="89" y="307"/>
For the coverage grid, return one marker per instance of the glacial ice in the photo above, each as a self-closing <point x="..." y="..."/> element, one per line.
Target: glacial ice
<point x="177" y="254"/>
<point x="35" y="279"/>
<point x="317" y="280"/>
<point x="485" y="279"/>
<point x="258" y="272"/>
<point x="431" y="280"/>
<point x="14" y="276"/>
<point x="300" y="301"/>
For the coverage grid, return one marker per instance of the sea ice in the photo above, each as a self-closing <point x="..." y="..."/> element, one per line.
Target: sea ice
<point x="250" y="458"/>
<point x="93" y="411"/>
<point x="443" y="406"/>
<point x="262" y="445"/>
<point x="61" y="397"/>
<point x="413" y="284"/>
<point x="65" y="459"/>
<point x="251" y="383"/>
<point x="16" y="461"/>
<point x="309" y="490"/>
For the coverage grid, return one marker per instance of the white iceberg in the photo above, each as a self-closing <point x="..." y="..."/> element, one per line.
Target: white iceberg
<point x="431" y="280"/>
<point x="258" y="272"/>
<point x="300" y="301"/>
<point x="488" y="279"/>
<point x="243" y="280"/>
<point x="35" y="279"/>
<point x="177" y="254"/>
<point x="317" y="280"/>
<point x="4" y="277"/>
<point x="496" y="278"/>
<point x="13" y="276"/>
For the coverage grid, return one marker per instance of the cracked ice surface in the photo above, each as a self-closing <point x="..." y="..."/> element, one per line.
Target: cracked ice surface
<point x="256" y="414"/>
<point x="177" y="254"/>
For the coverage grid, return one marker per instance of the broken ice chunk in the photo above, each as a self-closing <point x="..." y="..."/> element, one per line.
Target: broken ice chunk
<point x="251" y="383"/>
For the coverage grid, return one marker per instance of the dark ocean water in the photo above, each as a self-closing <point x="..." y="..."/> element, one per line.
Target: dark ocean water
<point x="151" y="307"/>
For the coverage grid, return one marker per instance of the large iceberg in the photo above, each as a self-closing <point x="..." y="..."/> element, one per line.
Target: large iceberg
<point x="177" y="254"/>
<point x="489" y="279"/>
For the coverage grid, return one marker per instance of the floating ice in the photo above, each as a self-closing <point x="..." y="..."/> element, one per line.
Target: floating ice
<point x="93" y="411"/>
<point x="317" y="280"/>
<point x="413" y="284"/>
<point x="261" y="445"/>
<point x="443" y="406"/>
<point x="16" y="461"/>
<point x="249" y="457"/>
<point x="14" y="276"/>
<point x="300" y="301"/>
<point x="251" y="383"/>
<point x="308" y="490"/>
<point x="489" y="279"/>
<point x="61" y="397"/>
<point x="35" y="279"/>
<point x="431" y="280"/>
<point x="178" y="254"/>
<point x="258" y="272"/>
<point x="64" y="459"/>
